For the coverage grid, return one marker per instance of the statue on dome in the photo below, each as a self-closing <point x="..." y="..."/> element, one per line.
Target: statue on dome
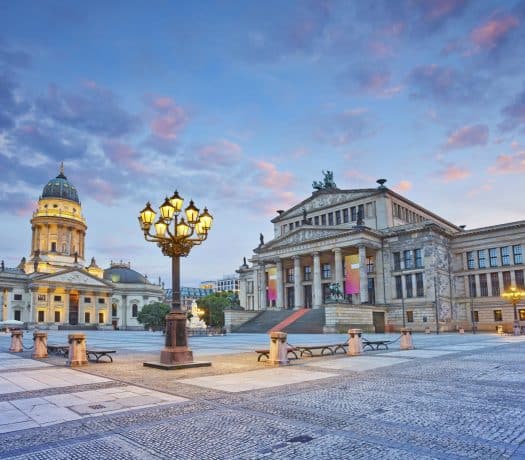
<point x="326" y="183"/>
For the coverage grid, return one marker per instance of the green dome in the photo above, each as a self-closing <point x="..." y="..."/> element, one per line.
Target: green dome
<point x="60" y="187"/>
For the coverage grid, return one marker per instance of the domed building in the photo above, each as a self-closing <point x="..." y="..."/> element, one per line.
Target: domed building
<point x="53" y="287"/>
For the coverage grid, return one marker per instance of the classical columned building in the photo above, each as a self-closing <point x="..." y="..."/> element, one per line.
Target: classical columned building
<point x="53" y="287"/>
<point x="374" y="250"/>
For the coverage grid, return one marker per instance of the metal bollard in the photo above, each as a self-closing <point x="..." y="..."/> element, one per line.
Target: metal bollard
<point x="355" y="344"/>
<point x="40" y="345"/>
<point x="278" y="349"/>
<point x="77" y="350"/>
<point x="406" y="339"/>
<point x="16" y="341"/>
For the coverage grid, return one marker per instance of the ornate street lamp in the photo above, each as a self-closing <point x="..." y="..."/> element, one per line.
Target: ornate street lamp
<point x="175" y="232"/>
<point x="514" y="295"/>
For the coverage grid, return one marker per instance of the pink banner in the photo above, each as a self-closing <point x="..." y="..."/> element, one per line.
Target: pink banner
<point x="272" y="284"/>
<point x="352" y="274"/>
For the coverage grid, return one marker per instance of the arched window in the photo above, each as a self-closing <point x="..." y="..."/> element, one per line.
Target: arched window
<point x="134" y="310"/>
<point x="113" y="309"/>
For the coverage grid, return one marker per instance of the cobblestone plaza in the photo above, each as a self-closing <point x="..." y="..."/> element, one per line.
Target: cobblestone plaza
<point x="454" y="396"/>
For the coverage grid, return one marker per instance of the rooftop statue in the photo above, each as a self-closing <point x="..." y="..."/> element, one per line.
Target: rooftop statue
<point x="326" y="183"/>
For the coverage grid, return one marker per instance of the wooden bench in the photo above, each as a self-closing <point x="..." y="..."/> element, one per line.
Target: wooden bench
<point x="375" y="344"/>
<point x="99" y="353"/>
<point x="266" y="353"/>
<point x="325" y="349"/>
<point x="59" y="349"/>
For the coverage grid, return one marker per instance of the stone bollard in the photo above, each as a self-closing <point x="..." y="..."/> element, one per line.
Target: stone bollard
<point x="406" y="339"/>
<point x="77" y="350"/>
<point x="355" y="344"/>
<point x="427" y="330"/>
<point x="16" y="341"/>
<point x="39" y="345"/>
<point x="278" y="349"/>
<point x="461" y="330"/>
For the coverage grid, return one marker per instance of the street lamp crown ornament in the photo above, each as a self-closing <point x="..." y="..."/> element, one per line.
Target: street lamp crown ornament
<point x="175" y="233"/>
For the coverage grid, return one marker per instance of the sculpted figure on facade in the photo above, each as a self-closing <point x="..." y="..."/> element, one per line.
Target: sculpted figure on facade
<point x="326" y="183"/>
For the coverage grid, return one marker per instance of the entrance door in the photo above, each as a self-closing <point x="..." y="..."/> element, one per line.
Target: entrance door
<point x="290" y="300"/>
<point x="379" y="321"/>
<point x="308" y="296"/>
<point x="73" y="308"/>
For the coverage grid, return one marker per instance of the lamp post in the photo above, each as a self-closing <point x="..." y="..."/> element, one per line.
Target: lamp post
<point x="175" y="232"/>
<point x="514" y="295"/>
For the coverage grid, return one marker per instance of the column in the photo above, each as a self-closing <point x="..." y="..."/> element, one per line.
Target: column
<point x="297" y="286"/>
<point x="33" y="234"/>
<point x="478" y="285"/>
<point x="261" y="277"/>
<point x="363" y="276"/>
<point x="317" y="295"/>
<point x="280" y="284"/>
<point x="338" y="261"/>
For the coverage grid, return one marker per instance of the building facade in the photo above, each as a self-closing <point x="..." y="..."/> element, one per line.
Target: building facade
<point x="377" y="260"/>
<point x="53" y="287"/>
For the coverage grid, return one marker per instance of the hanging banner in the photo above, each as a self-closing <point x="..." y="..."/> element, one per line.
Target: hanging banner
<point x="352" y="274"/>
<point x="272" y="284"/>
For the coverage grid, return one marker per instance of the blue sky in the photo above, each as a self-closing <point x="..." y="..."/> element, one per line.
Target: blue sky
<point x="240" y="105"/>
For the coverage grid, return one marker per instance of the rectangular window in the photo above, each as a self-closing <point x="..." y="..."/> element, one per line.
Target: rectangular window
<point x="249" y="287"/>
<point x="505" y="256"/>
<point x="410" y="316"/>
<point x="316" y="220"/>
<point x="506" y="280"/>
<point x="323" y="219"/>
<point x="407" y="257"/>
<point x="494" y="281"/>
<point x="472" y="285"/>
<point x="482" y="262"/>
<point x="345" y="215"/>
<point x="370" y="265"/>
<point x="408" y="286"/>
<point x="483" y="286"/>
<point x="291" y="226"/>
<point x="476" y="316"/>
<point x="397" y="261"/>
<point x="101" y="317"/>
<point x="17" y="296"/>
<point x="101" y="300"/>
<point x="353" y="213"/>
<point x="18" y="315"/>
<point x="53" y="246"/>
<point x="470" y="260"/>
<point x="521" y="313"/>
<point x="399" y="287"/>
<point x="420" y="290"/>
<point x="337" y="217"/>
<point x="361" y="211"/>
<point x="326" y="271"/>
<point x="518" y="276"/>
<point x="418" y="258"/>
<point x="87" y="317"/>
<point x="493" y="257"/>
<point x="330" y="218"/>
<point x="41" y="297"/>
<point x="289" y="275"/>
<point x="57" y="298"/>
<point x="41" y="316"/>
<point x="517" y="254"/>
<point x="87" y="299"/>
<point x="307" y="273"/>
<point x="57" y="317"/>
<point x="498" y="315"/>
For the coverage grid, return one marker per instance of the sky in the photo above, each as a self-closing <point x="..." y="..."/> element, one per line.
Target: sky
<point x="240" y="105"/>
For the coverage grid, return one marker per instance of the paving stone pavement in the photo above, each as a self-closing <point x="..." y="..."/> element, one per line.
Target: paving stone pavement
<point x="454" y="397"/>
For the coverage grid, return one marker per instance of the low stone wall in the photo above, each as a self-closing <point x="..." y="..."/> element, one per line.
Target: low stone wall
<point x="341" y="317"/>
<point x="234" y="318"/>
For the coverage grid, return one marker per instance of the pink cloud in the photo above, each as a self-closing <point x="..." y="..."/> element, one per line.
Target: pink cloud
<point x="509" y="163"/>
<point x="124" y="156"/>
<point x="169" y="118"/>
<point x="26" y="208"/>
<point x="300" y="152"/>
<point x="438" y="9"/>
<point x="402" y="186"/>
<point x="481" y="189"/>
<point x="492" y="32"/>
<point x="270" y="177"/>
<point x="468" y="136"/>
<point x="220" y="153"/>
<point x="102" y="191"/>
<point x="359" y="177"/>
<point x="453" y="173"/>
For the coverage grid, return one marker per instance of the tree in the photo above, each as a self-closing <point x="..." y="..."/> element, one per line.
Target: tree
<point x="215" y="304"/>
<point x="153" y="316"/>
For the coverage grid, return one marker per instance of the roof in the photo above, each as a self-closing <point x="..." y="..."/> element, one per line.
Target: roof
<point x="60" y="187"/>
<point x="124" y="274"/>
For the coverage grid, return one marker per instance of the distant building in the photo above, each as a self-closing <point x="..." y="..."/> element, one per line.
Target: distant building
<point x="54" y="288"/>
<point x="228" y="283"/>
<point x="374" y="259"/>
<point x="188" y="295"/>
<point x="209" y="285"/>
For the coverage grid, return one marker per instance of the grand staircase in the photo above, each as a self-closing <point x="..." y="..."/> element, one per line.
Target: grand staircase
<point x="306" y="321"/>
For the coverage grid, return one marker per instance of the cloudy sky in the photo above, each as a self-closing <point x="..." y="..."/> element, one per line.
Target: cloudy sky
<point x="241" y="104"/>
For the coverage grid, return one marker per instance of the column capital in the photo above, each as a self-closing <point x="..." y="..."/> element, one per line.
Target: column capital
<point x="316" y="254"/>
<point x="336" y="250"/>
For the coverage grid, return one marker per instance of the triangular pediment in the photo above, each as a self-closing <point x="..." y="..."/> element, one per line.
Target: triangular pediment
<point x="306" y="233"/>
<point x="323" y="199"/>
<point x="74" y="277"/>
